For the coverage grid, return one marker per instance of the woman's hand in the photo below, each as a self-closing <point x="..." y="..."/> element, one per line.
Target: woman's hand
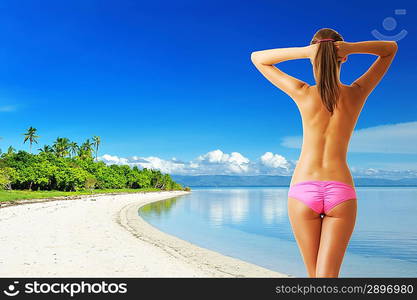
<point x="343" y="50"/>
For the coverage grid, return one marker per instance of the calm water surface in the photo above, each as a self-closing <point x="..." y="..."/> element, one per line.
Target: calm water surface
<point x="252" y="224"/>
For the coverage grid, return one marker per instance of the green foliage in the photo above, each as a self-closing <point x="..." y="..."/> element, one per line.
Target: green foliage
<point x="30" y="135"/>
<point x="66" y="166"/>
<point x="61" y="147"/>
<point x="6" y="176"/>
<point x="90" y="182"/>
<point x="51" y="171"/>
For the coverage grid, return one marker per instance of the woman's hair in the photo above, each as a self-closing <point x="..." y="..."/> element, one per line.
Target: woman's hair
<point x="326" y="67"/>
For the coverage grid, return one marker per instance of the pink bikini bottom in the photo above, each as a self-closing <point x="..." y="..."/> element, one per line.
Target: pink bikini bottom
<point x="321" y="196"/>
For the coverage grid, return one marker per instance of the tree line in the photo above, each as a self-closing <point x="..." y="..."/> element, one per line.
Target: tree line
<point x="67" y="166"/>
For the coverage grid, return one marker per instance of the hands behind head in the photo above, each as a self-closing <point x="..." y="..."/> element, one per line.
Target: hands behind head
<point x="342" y="49"/>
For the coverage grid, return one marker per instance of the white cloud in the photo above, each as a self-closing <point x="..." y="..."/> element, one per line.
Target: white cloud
<point x="150" y="162"/>
<point x="391" y="138"/>
<point x="166" y="166"/>
<point x="383" y="173"/>
<point x="274" y="161"/>
<point x="213" y="162"/>
<point x="109" y="159"/>
<point x="217" y="156"/>
<point x="292" y="141"/>
<point x="219" y="163"/>
<point x="229" y="163"/>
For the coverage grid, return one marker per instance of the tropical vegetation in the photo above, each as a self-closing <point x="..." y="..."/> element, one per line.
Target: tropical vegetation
<point x="67" y="166"/>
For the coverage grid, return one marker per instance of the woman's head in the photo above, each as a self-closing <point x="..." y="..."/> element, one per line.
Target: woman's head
<point x="326" y="66"/>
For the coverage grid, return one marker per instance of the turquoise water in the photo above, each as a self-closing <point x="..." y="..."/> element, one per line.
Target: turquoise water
<point x="252" y="224"/>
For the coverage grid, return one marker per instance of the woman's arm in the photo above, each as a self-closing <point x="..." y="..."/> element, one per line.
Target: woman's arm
<point x="274" y="56"/>
<point x="264" y="61"/>
<point x="385" y="50"/>
<point x="380" y="48"/>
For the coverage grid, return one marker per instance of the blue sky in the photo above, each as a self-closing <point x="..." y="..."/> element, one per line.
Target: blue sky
<point x="166" y="80"/>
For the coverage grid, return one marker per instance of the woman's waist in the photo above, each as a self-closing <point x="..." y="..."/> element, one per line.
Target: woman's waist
<point x="336" y="171"/>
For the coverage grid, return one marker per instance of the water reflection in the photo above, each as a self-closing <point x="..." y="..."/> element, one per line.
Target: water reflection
<point x="216" y="214"/>
<point x="252" y="224"/>
<point x="238" y="205"/>
<point x="233" y="206"/>
<point x="157" y="209"/>
<point x="274" y="207"/>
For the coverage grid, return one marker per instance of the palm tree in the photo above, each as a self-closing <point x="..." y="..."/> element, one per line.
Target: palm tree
<point x="61" y="147"/>
<point x="73" y="148"/>
<point x="31" y="136"/>
<point x="96" y="143"/>
<point x="46" y="149"/>
<point x="10" y="150"/>
<point x="86" y="149"/>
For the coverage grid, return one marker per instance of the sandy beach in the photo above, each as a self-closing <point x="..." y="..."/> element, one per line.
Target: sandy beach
<point x="103" y="236"/>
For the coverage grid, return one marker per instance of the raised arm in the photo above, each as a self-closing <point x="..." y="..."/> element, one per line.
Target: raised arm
<point x="385" y="50"/>
<point x="264" y="61"/>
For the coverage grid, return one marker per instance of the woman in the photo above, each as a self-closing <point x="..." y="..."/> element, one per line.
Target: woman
<point x="322" y="199"/>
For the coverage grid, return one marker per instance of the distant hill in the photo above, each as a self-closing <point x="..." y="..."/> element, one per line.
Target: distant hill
<point x="269" y="180"/>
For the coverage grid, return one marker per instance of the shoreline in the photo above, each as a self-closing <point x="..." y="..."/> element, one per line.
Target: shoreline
<point x="204" y="259"/>
<point x="104" y="236"/>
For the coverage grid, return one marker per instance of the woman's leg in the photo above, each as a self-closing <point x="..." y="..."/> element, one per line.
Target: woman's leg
<point x="336" y="230"/>
<point x="306" y="225"/>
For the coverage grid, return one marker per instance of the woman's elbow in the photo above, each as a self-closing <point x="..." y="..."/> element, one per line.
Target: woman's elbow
<point x="394" y="46"/>
<point x="254" y="57"/>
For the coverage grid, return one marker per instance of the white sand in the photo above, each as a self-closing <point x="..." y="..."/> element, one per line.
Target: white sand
<point x="103" y="236"/>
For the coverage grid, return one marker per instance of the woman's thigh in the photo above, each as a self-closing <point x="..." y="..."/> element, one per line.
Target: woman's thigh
<point x="336" y="231"/>
<point x="306" y="226"/>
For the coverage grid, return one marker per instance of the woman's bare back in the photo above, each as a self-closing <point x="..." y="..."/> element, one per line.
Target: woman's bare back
<point x="326" y="137"/>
